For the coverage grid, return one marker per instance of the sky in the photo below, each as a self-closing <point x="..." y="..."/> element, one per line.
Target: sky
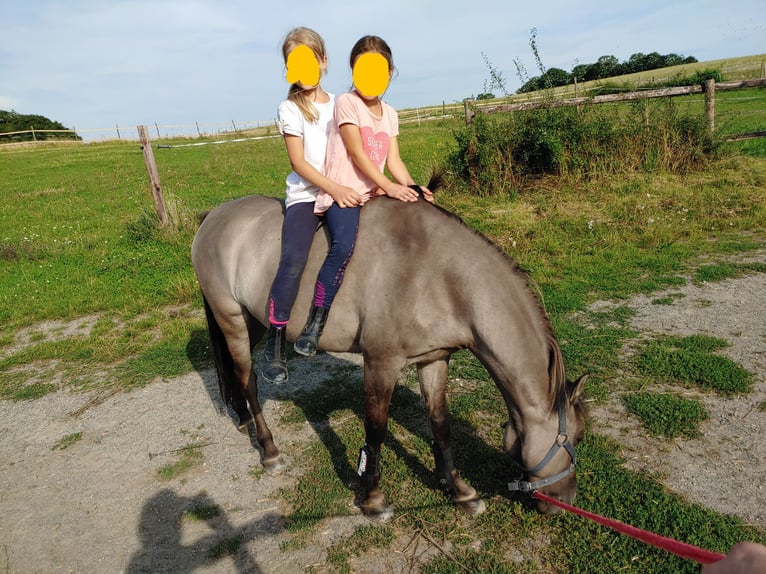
<point x="101" y="64"/>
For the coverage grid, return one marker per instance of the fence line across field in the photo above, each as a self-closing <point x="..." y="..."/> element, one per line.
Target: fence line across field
<point x="708" y="89"/>
<point x="163" y="131"/>
<point x="258" y="129"/>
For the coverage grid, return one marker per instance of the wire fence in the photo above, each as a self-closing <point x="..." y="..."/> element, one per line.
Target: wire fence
<point x="196" y="130"/>
<point x="736" y="109"/>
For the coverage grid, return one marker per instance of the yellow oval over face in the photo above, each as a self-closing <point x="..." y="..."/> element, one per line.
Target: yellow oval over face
<point x="371" y="74"/>
<point x="303" y="67"/>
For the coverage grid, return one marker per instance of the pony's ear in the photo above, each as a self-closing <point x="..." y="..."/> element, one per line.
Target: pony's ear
<point x="576" y="388"/>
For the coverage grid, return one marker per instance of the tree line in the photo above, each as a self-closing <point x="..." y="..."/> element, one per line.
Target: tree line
<point x="604" y="67"/>
<point x="15" y="122"/>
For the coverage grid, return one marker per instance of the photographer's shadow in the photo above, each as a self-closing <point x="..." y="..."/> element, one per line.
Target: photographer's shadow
<point x="161" y="532"/>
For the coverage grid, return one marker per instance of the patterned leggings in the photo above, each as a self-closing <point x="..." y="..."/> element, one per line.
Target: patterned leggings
<point x="342" y="222"/>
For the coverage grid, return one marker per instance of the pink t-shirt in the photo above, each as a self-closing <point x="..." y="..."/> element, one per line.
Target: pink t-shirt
<point x="376" y="133"/>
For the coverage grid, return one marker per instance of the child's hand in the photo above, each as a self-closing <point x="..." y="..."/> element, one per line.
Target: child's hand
<point x="428" y="195"/>
<point x="346" y="197"/>
<point x="402" y="193"/>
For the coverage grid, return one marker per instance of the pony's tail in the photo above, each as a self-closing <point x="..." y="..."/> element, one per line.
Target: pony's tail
<point x="224" y="364"/>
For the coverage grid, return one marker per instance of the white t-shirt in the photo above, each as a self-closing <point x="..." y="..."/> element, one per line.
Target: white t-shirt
<point x="291" y="121"/>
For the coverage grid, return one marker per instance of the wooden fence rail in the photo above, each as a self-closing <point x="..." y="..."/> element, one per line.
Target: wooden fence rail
<point x="708" y="89"/>
<point x="195" y="130"/>
<point x="469" y="108"/>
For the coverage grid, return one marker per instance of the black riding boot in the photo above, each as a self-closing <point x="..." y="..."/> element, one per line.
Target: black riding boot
<point x="275" y="370"/>
<point x="306" y="344"/>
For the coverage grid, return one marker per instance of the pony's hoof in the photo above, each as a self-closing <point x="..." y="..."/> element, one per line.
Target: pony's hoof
<point x="472" y="507"/>
<point x="380" y="516"/>
<point x="274" y="465"/>
<point x="376" y="507"/>
<point x="244" y="422"/>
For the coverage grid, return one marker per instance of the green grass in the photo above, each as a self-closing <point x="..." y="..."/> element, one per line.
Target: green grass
<point x="721" y="271"/>
<point x="67" y="441"/>
<point x="690" y="361"/>
<point x="188" y="457"/>
<point x="227" y="547"/>
<point x="79" y="240"/>
<point x="363" y="538"/>
<point x="203" y="512"/>
<point x="667" y="415"/>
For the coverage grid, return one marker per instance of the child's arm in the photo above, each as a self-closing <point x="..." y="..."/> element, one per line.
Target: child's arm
<point x="343" y="195"/>
<point x="399" y="171"/>
<point x="352" y="139"/>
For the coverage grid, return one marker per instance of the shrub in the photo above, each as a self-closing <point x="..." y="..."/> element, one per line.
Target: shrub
<point x="496" y="153"/>
<point x="697" y="78"/>
<point x="483" y="160"/>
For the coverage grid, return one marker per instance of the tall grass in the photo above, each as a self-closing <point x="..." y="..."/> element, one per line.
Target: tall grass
<point x="496" y="154"/>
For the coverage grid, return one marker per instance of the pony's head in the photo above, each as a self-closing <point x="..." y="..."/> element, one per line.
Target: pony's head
<point x="543" y="446"/>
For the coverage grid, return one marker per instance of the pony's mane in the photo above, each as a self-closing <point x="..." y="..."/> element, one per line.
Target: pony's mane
<point x="556" y="371"/>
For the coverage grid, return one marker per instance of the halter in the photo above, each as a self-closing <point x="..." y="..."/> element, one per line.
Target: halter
<point x="562" y="441"/>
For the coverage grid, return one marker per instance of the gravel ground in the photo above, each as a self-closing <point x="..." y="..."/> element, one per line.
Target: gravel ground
<point x="725" y="468"/>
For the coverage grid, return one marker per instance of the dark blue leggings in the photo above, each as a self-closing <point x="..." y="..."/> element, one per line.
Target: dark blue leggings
<point x="297" y="234"/>
<point x="342" y="222"/>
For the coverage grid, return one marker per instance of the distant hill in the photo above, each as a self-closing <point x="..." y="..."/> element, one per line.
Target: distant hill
<point x="730" y="69"/>
<point x="605" y="67"/>
<point x="15" y="122"/>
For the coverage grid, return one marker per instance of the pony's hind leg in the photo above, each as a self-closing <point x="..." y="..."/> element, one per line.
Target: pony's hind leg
<point x="239" y="339"/>
<point x="433" y="385"/>
<point x="272" y="460"/>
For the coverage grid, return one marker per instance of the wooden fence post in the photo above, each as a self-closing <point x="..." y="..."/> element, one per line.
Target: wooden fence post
<point x="468" y="111"/>
<point x="710" y="103"/>
<point x="154" y="176"/>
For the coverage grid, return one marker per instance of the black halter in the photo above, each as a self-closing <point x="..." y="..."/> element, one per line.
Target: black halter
<point x="562" y="441"/>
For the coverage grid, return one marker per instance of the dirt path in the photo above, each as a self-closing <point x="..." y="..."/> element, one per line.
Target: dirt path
<point x="725" y="468"/>
<point x="98" y="506"/>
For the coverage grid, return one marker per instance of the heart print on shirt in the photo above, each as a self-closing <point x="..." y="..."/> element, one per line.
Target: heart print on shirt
<point x="375" y="144"/>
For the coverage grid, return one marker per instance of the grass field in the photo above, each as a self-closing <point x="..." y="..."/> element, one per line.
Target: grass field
<point x="79" y="240"/>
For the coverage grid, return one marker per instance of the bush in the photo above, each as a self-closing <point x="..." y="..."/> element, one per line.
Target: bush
<point x="496" y="153"/>
<point x="483" y="160"/>
<point x="697" y="79"/>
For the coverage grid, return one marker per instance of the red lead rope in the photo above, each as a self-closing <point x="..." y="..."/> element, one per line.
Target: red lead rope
<point x="681" y="549"/>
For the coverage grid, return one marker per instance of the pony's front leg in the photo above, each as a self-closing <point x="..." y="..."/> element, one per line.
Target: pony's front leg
<point x="379" y="381"/>
<point x="433" y="386"/>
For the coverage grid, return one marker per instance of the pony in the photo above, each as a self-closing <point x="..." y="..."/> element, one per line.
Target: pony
<point x="420" y="286"/>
